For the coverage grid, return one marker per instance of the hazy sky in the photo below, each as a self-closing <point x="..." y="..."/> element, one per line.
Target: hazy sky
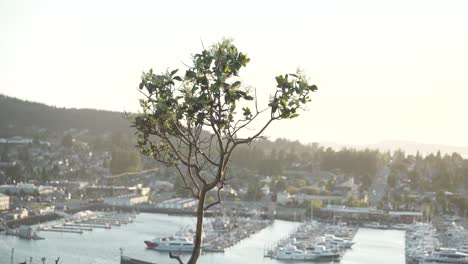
<point x="385" y="69"/>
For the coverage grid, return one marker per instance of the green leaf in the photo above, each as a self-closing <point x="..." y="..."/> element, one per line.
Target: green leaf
<point x="174" y="72"/>
<point x="190" y="74"/>
<point x="235" y="85"/>
<point x="279" y="80"/>
<point x="177" y="78"/>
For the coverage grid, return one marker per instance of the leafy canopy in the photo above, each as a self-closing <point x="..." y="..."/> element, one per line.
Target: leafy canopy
<point x="207" y="95"/>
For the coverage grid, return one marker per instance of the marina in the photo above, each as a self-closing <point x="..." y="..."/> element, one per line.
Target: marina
<point x="86" y="221"/>
<point x="444" y="242"/>
<point x="314" y="241"/>
<point x="219" y="234"/>
<point x="102" y="245"/>
<point x="78" y="223"/>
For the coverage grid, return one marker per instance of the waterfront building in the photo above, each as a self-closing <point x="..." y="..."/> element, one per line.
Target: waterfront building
<point x="178" y="203"/>
<point x="126" y="200"/>
<point x="353" y="213"/>
<point x="26" y="188"/>
<point x="301" y="197"/>
<point x="162" y="186"/>
<point x="98" y="191"/>
<point x="404" y="216"/>
<point x="4" y="202"/>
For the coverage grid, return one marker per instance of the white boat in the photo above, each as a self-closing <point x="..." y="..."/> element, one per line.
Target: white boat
<point x="337" y="241"/>
<point x="463" y="249"/>
<point x="445" y="255"/>
<point x="323" y="252"/>
<point x="293" y="253"/>
<point x="173" y="243"/>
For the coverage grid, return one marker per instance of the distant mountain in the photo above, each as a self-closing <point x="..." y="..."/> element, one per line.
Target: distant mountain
<point x="410" y="147"/>
<point x="18" y="116"/>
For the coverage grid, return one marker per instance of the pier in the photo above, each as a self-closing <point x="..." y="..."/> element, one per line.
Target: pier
<point x="86" y="221"/>
<point x="60" y="230"/>
<point x="88" y="225"/>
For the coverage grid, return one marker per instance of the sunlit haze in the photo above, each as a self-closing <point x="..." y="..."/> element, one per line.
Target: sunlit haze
<point x="393" y="70"/>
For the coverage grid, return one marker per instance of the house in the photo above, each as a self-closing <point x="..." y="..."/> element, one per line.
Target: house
<point x="163" y="186"/>
<point x="265" y="189"/>
<point x="283" y="197"/>
<point x="300" y="198"/>
<point x="18" y="214"/>
<point x="20" y="188"/>
<point x="346" y="188"/>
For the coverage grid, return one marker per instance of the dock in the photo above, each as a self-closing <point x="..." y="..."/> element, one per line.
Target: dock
<point x="87" y="221"/>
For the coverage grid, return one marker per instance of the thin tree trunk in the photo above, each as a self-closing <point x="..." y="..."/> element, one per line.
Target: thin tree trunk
<point x="199" y="231"/>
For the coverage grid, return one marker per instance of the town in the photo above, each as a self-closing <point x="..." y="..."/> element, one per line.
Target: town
<point x="66" y="175"/>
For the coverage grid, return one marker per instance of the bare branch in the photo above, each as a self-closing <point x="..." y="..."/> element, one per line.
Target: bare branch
<point x="238" y="127"/>
<point x="186" y="186"/>
<point x="177" y="257"/>
<point x="219" y="198"/>
<point x="250" y="139"/>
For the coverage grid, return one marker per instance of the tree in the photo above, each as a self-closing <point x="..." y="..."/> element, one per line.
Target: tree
<point x="280" y="185"/>
<point x="392" y="179"/>
<point x="67" y="141"/>
<point x="124" y="160"/>
<point x="191" y="122"/>
<point x="316" y="204"/>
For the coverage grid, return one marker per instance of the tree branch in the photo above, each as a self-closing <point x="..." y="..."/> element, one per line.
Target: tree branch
<point x="219" y="198"/>
<point x="177" y="257"/>
<point x="250" y="139"/>
<point x="186" y="186"/>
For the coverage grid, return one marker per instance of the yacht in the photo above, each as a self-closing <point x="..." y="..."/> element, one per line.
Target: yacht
<point x="337" y="241"/>
<point x="293" y="253"/>
<point x="323" y="252"/>
<point x="176" y="244"/>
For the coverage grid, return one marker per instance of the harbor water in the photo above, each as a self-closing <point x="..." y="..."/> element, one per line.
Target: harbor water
<point x="102" y="245"/>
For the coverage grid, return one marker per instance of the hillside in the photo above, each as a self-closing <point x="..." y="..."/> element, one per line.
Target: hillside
<point x="410" y="147"/>
<point x="18" y="116"/>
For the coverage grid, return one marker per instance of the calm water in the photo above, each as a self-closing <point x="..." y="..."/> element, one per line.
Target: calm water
<point x="102" y="246"/>
<point x="377" y="246"/>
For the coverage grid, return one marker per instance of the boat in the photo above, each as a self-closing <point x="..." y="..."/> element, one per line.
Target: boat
<point x="323" y="252"/>
<point x="172" y="243"/>
<point x="337" y="241"/>
<point x="445" y="255"/>
<point x="293" y="253"/>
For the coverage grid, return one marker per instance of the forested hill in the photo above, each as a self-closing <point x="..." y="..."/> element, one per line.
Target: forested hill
<point x="18" y="116"/>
